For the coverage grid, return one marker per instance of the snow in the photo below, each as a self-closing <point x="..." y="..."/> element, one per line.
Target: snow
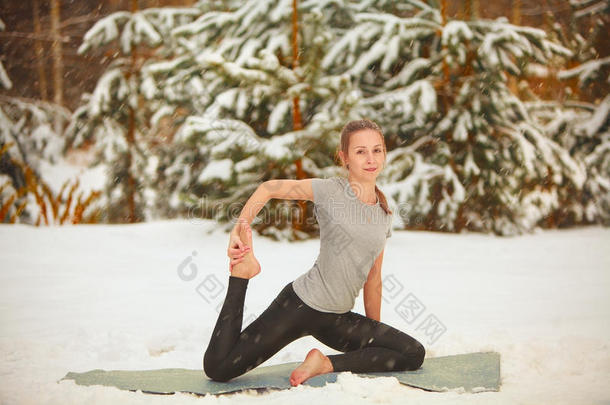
<point x="415" y="101"/>
<point x="280" y="42"/>
<point x="454" y="31"/>
<point x="527" y="151"/>
<point x="392" y="53"/>
<point x="375" y="52"/>
<point x="231" y="68"/>
<point x="537" y="204"/>
<point x="391" y="20"/>
<point x="599" y="117"/>
<point x="537" y="70"/>
<point x="470" y="167"/>
<point x="102" y="96"/>
<point x="90" y="179"/>
<point x="143" y="28"/>
<point x="557" y="156"/>
<point x="164" y="111"/>
<point x="242" y="104"/>
<point x="278" y="116"/>
<point x="68" y="305"/>
<point x="136" y="31"/>
<point x="148" y="87"/>
<point x="216" y="169"/>
<point x="346" y="44"/>
<point x="408" y="72"/>
<point x="598" y="7"/>
<point x="281" y="11"/>
<point x="169" y="17"/>
<point x="4" y="79"/>
<point x="103" y="31"/>
<point x="109" y="296"/>
<point x="250" y="12"/>
<point x="587" y="71"/>
<point x="6" y="188"/>
<point x="463" y="124"/>
<point x="280" y="146"/>
<point x="246" y="164"/>
<point x="47" y="142"/>
<point x="248" y="50"/>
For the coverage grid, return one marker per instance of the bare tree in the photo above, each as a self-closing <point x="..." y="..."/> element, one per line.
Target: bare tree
<point x="57" y="49"/>
<point x="516" y="18"/>
<point x="470" y="10"/>
<point x="297" y="122"/>
<point x="38" y="47"/>
<point x="131" y="129"/>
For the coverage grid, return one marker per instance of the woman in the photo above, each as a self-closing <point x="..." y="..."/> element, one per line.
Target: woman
<point x="354" y="223"/>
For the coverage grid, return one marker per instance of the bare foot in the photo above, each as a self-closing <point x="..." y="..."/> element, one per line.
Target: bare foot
<point x="249" y="267"/>
<point x="315" y="363"/>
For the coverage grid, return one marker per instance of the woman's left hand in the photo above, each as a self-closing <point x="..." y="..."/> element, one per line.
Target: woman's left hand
<point x="237" y="249"/>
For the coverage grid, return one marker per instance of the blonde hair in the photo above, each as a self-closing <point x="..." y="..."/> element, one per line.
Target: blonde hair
<point x="351" y="128"/>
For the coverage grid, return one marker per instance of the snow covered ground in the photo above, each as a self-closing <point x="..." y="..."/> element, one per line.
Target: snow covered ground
<point x="76" y="298"/>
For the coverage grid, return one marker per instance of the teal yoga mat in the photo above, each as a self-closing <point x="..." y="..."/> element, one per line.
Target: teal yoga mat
<point x="472" y="372"/>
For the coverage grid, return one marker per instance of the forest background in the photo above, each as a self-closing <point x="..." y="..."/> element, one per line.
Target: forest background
<point x="495" y="114"/>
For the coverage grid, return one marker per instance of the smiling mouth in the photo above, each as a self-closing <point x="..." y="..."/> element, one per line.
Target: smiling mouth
<point x="371" y="170"/>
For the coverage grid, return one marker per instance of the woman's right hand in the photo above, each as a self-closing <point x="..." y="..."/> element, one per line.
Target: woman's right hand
<point x="237" y="249"/>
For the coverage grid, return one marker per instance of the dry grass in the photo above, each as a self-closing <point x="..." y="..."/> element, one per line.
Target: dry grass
<point x="53" y="209"/>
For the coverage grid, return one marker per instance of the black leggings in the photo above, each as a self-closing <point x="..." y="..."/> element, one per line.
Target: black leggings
<point x="369" y="345"/>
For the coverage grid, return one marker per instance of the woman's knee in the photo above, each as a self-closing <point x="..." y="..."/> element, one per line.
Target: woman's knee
<point x="214" y="368"/>
<point x="411" y="356"/>
<point x="215" y="371"/>
<point x="416" y="356"/>
<point x="421" y="354"/>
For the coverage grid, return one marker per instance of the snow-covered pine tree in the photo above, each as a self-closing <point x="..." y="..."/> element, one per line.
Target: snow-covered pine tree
<point x="474" y="158"/>
<point x="5" y="81"/>
<point x="28" y="144"/>
<point x="579" y="120"/>
<point x="583" y="129"/>
<point x="114" y="117"/>
<point x="233" y="70"/>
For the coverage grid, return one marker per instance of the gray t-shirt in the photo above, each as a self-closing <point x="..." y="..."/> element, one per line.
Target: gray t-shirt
<point x="352" y="235"/>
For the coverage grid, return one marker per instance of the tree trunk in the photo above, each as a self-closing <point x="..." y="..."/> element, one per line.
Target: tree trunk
<point x="466" y="12"/>
<point x="131" y="129"/>
<point x="476" y="7"/>
<point x="516" y="12"/>
<point x="58" y="75"/>
<point x="470" y="10"/>
<point x="297" y="123"/>
<point x="296" y="111"/>
<point x="445" y="84"/>
<point x="38" y="48"/>
<point x="516" y="20"/>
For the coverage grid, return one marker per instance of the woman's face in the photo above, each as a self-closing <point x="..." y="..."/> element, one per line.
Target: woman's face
<point x="365" y="152"/>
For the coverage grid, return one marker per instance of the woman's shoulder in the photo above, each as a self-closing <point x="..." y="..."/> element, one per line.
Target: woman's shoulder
<point x="325" y="188"/>
<point x="331" y="178"/>
<point x="338" y="180"/>
<point x="339" y="183"/>
<point x="331" y="181"/>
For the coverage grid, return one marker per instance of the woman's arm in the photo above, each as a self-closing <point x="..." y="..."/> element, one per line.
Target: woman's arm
<point x="255" y="203"/>
<point x="289" y="189"/>
<point x="283" y="189"/>
<point x="372" y="290"/>
<point x="237" y="248"/>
